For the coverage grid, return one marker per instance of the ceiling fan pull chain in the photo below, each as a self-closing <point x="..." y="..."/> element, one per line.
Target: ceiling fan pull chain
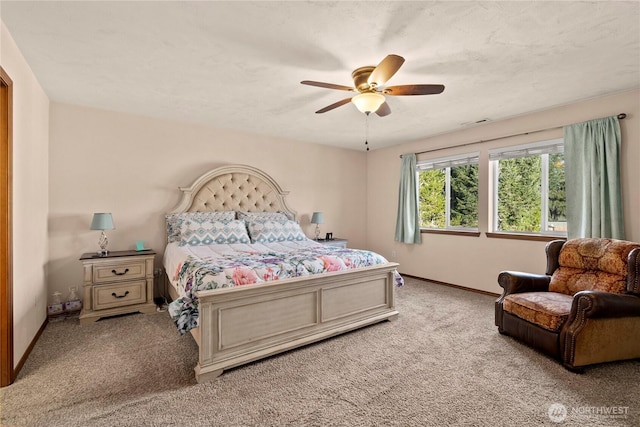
<point x="366" y="130"/>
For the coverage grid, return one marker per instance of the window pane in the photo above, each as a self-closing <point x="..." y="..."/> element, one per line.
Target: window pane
<point x="557" y="219"/>
<point x="462" y="206"/>
<point x="464" y="196"/>
<point x="432" y="198"/>
<point x="519" y="196"/>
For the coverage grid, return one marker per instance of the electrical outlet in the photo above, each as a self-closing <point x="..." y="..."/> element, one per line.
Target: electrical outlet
<point x="393" y="253"/>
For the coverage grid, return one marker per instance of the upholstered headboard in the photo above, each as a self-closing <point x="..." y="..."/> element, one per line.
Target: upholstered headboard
<point x="234" y="188"/>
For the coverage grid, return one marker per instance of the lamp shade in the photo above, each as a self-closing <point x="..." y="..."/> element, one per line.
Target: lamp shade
<point x="102" y="221"/>
<point x="317" y="218"/>
<point x="368" y="102"/>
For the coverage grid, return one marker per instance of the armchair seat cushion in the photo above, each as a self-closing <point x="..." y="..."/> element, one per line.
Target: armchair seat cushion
<point x="548" y="310"/>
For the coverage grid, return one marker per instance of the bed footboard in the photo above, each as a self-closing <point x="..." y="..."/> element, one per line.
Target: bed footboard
<point x="242" y="324"/>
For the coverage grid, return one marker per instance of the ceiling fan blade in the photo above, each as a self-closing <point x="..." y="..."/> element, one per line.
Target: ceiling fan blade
<point x="413" y="90"/>
<point x="334" y="105"/>
<point x="385" y="69"/>
<point x="383" y="110"/>
<point x="327" y="85"/>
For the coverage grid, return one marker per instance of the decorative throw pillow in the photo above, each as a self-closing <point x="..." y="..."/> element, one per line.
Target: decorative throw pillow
<point x="195" y="233"/>
<point x="173" y="221"/>
<point x="268" y="231"/>
<point x="264" y="216"/>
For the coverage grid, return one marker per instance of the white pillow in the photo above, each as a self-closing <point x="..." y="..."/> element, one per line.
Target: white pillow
<point x="267" y="231"/>
<point x="195" y="233"/>
<point x="174" y="220"/>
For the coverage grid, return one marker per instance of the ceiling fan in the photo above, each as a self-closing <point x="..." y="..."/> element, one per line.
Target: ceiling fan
<point x="369" y="82"/>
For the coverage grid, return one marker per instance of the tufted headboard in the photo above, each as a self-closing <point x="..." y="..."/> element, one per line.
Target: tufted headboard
<point x="234" y="188"/>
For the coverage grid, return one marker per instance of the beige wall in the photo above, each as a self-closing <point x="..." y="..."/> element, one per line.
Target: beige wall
<point x="102" y="161"/>
<point x="30" y="196"/>
<point x="476" y="261"/>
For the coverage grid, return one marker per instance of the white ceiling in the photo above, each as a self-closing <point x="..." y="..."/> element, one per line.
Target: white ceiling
<point x="238" y="65"/>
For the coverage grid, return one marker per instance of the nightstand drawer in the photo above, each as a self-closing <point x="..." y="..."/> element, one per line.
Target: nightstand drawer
<point x="118" y="295"/>
<point x="118" y="272"/>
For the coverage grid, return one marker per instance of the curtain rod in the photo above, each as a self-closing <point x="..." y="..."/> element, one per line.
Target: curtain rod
<point x="620" y="117"/>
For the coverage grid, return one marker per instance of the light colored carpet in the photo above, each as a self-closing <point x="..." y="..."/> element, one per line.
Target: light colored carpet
<point x="442" y="362"/>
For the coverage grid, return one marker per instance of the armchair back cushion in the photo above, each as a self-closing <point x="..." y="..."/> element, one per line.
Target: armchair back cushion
<point x="592" y="264"/>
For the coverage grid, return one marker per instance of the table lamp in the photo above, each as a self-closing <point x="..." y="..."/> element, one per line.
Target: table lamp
<point x="317" y="218"/>
<point x="102" y="221"/>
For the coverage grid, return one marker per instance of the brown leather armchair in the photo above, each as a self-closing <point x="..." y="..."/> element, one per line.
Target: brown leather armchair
<point x="584" y="310"/>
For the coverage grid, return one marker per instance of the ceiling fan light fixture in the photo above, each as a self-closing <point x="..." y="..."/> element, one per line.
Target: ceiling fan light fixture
<point x="368" y="102"/>
<point x="368" y="82"/>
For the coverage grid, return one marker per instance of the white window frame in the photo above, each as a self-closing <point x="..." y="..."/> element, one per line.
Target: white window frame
<point x="447" y="163"/>
<point x="542" y="149"/>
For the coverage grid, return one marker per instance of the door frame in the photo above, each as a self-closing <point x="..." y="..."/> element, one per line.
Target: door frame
<point x="7" y="371"/>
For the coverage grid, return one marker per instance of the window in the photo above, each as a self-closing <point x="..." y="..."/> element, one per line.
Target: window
<point x="448" y="192"/>
<point x="529" y="188"/>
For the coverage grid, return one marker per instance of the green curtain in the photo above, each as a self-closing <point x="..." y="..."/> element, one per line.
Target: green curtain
<point x="408" y="220"/>
<point x="592" y="175"/>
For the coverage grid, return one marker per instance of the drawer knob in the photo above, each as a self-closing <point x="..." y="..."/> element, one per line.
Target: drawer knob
<point x="120" y="296"/>
<point x="126" y="270"/>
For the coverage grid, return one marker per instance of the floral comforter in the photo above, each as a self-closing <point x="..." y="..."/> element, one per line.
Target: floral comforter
<point x="226" y="270"/>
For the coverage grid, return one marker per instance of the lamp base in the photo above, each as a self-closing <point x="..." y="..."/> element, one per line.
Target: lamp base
<point x="103" y="242"/>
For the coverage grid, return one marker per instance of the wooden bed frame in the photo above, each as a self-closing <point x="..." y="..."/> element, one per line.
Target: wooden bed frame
<point x="243" y="324"/>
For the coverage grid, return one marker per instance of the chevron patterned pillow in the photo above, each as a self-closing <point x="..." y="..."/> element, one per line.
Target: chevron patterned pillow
<point x="194" y="232"/>
<point x="174" y="220"/>
<point x="268" y="231"/>
<point x="263" y="216"/>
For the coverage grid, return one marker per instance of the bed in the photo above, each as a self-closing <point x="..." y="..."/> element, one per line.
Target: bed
<point x="275" y="312"/>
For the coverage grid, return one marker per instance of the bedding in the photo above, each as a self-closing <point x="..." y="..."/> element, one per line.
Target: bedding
<point x="205" y="267"/>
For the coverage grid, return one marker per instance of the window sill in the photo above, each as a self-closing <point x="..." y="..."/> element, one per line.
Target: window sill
<point x="523" y="236"/>
<point x="450" y="232"/>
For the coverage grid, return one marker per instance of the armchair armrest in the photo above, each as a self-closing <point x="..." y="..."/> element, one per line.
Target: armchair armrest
<point x="514" y="282"/>
<point x="553" y="254"/>
<point x="633" y="272"/>
<point x="594" y="304"/>
<point x="581" y="340"/>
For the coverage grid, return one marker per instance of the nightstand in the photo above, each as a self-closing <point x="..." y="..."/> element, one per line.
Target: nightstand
<point x="119" y="283"/>
<point x="340" y="243"/>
